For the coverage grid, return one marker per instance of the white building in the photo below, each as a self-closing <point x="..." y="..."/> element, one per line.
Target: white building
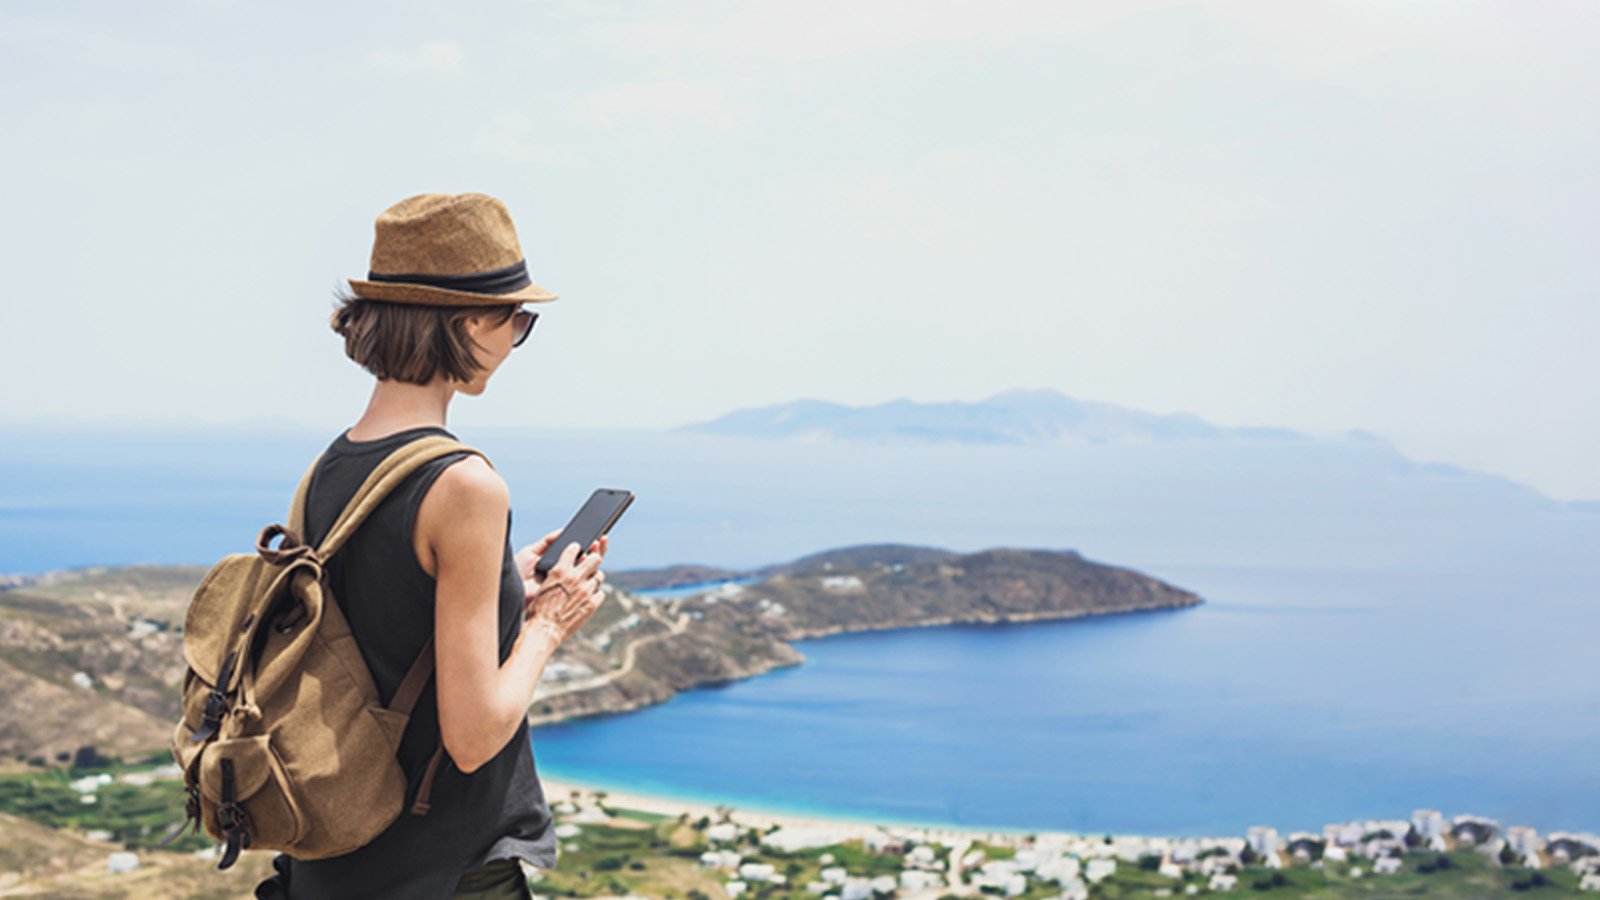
<point x="734" y="888"/>
<point x="757" y="872"/>
<point x="723" y="832"/>
<point x="1428" y="823"/>
<point x="1347" y="834"/>
<point x="794" y="839"/>
<point x="1335" y="853"/>
<point x="919" y="880"/>
<point x="1074" y="890"/>
<point x="1386" y="865"/>
<point x="720" y="859"/>
<point x="1523" y="841"/>
<point x="1184" y="851"/>
<point x="118" y="863"/>
<point x="1263" y="840"/>
<point x="1098" y="869"/>
<point x="856" y="889"/>
<point x="1590" y="882"/>
<point x="833" y="875"/>
<point x="1002" y="875"/>
<point x="1063" y="869"/>
<point x="1224" y="882"/>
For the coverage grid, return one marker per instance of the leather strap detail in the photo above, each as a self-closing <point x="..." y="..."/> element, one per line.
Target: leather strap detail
<point x="410" y="690"/>
<point x="232" y="820"/>
<point x="216" y="703"/>
<point x="419" y="807"/>
<point x="191" y="814"/>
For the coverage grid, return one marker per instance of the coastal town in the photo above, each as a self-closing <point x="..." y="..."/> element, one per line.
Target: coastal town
<point x="100" y="832"/>
<point x="756" y="856"/>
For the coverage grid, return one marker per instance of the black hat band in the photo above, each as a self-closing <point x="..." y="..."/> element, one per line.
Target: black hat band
<point x="495" y="281"/>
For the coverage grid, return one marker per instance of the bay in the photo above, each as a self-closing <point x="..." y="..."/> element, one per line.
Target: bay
<point x="1292" y="699"/>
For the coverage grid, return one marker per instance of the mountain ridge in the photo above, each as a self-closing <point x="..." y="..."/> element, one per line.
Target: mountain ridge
<point x="1018" y="416"/>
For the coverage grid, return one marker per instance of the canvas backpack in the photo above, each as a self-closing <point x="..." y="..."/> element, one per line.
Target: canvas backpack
<point x="284" y="743"/>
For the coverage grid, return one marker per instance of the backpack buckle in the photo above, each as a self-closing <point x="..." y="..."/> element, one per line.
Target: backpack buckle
<point x="232" y="820"/>
<point x="216" y="703"/>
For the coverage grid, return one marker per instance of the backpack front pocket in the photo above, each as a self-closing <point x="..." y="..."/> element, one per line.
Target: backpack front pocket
<point x="247" y="797"/>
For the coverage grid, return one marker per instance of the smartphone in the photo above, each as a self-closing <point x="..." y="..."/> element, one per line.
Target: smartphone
<point x="604" y="507"/>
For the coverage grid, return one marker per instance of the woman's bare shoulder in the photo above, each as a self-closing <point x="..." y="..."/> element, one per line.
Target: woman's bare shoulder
<point x="467" y="489"/>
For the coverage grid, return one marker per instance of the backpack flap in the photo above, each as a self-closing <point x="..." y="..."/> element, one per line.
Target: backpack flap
<point x="220" y="615"/>
<point x="287" y="631"/>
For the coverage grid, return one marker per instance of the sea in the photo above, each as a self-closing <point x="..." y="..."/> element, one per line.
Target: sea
<point x="1377" y="635"/>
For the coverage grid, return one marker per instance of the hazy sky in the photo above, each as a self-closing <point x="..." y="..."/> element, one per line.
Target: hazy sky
<point x="1319" y="215"/>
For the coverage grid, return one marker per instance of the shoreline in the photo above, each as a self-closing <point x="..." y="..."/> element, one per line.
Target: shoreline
<point x="559" y="789"/>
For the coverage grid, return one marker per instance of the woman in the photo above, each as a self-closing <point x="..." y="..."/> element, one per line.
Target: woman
<point x="439" y="312"/>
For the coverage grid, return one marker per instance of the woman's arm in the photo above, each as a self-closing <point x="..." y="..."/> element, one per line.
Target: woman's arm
<point x="461" y="531"/>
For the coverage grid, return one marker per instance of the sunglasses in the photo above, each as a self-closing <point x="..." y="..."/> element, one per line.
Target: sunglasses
<point x="522" y="326"/>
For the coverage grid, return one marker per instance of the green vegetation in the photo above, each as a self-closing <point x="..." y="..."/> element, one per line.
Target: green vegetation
<point x="994" y="851"/>
<point x="649" y="818"/>
<point x="651" y="855"/>
<point x="137" y="816"/>
<point x="1433" y="876"/>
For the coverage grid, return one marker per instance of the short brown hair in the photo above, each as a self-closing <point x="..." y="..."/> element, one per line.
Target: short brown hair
<point x="410" y="342"/>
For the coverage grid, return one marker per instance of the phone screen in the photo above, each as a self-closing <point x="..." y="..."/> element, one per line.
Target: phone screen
<point x="604" y="507"/>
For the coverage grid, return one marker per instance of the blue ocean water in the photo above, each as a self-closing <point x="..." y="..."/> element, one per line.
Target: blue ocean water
<point x="1377" y="635"/>
<point x="1290" y="699"/>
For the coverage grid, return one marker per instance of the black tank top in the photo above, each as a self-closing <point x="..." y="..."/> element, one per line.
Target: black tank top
<point x="496" y="812"/>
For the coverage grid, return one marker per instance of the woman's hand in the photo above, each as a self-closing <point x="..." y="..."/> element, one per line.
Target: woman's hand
<point x="528" y="559"/>
<point x="569" y="594"/>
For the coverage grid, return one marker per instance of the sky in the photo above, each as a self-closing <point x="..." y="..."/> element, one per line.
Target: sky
<point x="1322" y="215"/>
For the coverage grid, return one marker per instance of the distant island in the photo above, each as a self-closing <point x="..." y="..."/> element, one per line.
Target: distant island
<point x="92" y="657"/>
<point x="1010" y="417"/>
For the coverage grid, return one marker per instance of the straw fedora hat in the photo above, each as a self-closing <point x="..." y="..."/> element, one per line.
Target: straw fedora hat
<point x="448" y="250"/>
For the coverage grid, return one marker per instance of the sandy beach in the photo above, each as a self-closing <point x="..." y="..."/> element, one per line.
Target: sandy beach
<point x="583" y="795"/>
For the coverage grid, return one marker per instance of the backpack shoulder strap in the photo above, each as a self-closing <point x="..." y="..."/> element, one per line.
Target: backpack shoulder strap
<point x="396" y="468"/>
<point x="297" y="508"/>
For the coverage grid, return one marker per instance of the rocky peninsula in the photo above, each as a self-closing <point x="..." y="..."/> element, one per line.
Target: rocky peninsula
<point x="92" y="657"/>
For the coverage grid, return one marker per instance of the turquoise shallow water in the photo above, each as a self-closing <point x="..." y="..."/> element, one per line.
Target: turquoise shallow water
<point x="1291" y="699"/>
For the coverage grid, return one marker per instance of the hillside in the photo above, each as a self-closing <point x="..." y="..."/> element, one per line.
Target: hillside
<point x="92" y="657"/>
